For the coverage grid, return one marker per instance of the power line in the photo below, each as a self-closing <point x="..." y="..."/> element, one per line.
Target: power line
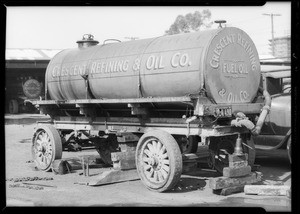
<point x="272" y="15"/>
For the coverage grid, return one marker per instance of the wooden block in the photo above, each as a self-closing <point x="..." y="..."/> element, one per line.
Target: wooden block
<point x="191" y="156"/>
<point x="236" y="161"/>
<point x="127" y="146"/>
<point x="123" y="160"/>
<point x="124" y="164"/>
<point x="238" y="164"/>
<point x="236" y="172"/>
<point x="116" y="156"/>
<point x="224" y="182"/>
<point x="270" y="190"/>
<point x="237" y="158"/>
<point x="232" y="190"/>
<point x="114" y="176"/>
<point x="128" y="137"/>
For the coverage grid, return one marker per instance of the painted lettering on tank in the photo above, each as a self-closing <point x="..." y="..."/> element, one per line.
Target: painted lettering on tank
<point x="73" y="70"/>
<point x="109" y="66"/>
<point x="154" y="62"/>
<point x="180" y="59"/>
<point x="244" y="95"/>
<point x="55" y="71"/>
<point x="234" y="69"/>
<point x="136" y="65"/>
<point x="220" y="46"/>
<point x="232" y="97"/>
<point x="247" y="46"/>
<point x="222" y="92"/>
<point x="233" y="39"/>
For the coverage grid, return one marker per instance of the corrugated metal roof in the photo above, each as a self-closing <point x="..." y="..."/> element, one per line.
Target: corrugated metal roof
<point x="30" y="54"/>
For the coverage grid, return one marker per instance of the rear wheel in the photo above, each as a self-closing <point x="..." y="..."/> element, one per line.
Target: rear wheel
<point x="46" y="147"/>
<point x="158" y="161"/>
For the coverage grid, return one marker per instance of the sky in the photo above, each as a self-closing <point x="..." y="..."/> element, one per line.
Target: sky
<point x="60" y="27"/>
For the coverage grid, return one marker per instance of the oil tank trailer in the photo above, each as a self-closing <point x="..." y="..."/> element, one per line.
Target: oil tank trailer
<point x="166" y="96"/>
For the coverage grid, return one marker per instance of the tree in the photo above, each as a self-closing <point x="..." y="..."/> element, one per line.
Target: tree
<point x="190" y="22"/>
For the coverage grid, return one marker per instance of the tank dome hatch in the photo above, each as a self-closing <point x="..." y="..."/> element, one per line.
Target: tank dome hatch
<point x="220" y="22"/>
<point x="87" y="41"/>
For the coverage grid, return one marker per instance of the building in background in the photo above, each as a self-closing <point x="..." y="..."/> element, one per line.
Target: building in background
<point x="25" y="77"/>
<point x="282" y="47"/>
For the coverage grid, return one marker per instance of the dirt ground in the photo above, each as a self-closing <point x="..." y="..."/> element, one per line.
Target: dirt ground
<point x="192" y="190"/>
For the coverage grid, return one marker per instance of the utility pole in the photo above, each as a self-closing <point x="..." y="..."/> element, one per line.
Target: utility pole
<point x="271" y="15"/>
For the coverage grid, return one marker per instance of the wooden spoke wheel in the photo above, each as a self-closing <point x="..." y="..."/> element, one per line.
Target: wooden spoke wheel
<point x="158" y="160"/>
<point x="222" y="148"/>
<point x="46" y="147"/>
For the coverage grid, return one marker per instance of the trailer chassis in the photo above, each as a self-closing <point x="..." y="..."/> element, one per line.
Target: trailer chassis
<point x="158" y="140"/>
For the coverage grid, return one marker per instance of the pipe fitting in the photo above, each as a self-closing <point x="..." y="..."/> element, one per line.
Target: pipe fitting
<point x="263" y="114"/>
<point x="244" y="121"/>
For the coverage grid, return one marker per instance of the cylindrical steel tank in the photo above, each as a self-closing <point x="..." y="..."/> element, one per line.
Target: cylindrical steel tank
<point x="223" y="62"/>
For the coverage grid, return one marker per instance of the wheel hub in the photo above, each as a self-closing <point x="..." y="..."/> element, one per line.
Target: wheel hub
<point x="44" y="148"/>
<point x="154" y="161"/>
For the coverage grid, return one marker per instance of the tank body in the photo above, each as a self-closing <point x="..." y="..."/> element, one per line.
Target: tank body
<point x="223" y="62"/>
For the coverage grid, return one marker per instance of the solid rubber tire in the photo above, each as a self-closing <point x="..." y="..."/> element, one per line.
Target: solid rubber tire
<point x="175" y="158"/>
<point x="56" y="144"/>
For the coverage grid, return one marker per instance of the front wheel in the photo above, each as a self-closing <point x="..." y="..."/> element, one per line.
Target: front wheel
<point x="158" y="160"/>
<point x="46" y="147"/>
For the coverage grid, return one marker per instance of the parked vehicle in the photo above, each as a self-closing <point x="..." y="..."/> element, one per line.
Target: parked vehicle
<point x="164" y="96"/>
<point x="276" y="131"/>
<point x="22" y="89"/>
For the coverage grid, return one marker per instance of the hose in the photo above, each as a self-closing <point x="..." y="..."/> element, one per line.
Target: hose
<point x="242" y="120"/>
<point x="263" y="114"/>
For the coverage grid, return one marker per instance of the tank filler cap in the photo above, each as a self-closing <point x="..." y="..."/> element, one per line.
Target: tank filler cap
<point x="87" y="41"/>
<point x="220" y="22"/>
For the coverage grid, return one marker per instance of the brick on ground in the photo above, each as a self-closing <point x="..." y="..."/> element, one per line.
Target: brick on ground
<point x="271" y="190"/>
<point x="224" y="182"/>
<point x="236" y="172"/>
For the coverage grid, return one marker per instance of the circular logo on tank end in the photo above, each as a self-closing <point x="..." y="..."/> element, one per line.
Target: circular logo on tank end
<point x="232" y="67"/>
